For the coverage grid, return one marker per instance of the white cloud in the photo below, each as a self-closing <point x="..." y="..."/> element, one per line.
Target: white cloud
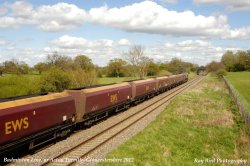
<point x="196" y="51"/>
<point x="124" y="42"/>
<point x="149" y="17"/>
<point x="61" y="16"/>
<point x="8" y="22"/>
<point x="145" y="17"/>
<point x="103" y="50"/>
<point x="26" y="54"/>
<point x="232" y="5"/>
<point x="58" y="17"/>
<point x="78" y="42"/>
<point x="169" y="1"/>
<point x="100" y="51"/>
<point x="20" y="9"/>
<point x="166" y="1"/>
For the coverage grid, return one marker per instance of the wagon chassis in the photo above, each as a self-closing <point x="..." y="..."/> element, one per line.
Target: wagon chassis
<point x="90" y="118"/>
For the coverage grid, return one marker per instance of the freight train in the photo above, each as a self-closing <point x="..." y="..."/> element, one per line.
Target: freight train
<point x="34" y="121"/>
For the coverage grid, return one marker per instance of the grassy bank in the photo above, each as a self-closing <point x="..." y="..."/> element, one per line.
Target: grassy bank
<point x="198" y="125"/>
<point x="241" y="83"/>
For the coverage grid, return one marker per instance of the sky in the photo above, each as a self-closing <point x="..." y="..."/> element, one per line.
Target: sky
<point x="197" y="31"/>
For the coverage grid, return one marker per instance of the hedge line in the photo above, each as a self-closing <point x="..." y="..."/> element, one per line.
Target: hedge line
<point x="241" y="102"/>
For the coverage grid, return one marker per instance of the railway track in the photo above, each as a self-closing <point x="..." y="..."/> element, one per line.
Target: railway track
<point x="76" y="154"/>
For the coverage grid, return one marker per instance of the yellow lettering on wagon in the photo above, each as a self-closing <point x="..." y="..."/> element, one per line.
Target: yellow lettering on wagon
<point x="16" y="125"/>
<point x="26" y="123"/>
<point x="7" y="128"/>
<point x="113" y="98"/>
<point x="147" y="88"/>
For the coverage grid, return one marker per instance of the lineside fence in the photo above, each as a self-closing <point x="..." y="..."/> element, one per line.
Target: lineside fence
<point x="240" y="102"/>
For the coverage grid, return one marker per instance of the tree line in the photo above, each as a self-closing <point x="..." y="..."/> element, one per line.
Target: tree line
<point x="60" y="72"/>
<point x="239" y="61"/>
<point x="230" y="62"/>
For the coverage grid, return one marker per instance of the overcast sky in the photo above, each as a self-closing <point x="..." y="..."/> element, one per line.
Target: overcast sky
<point x="197" y="31"/>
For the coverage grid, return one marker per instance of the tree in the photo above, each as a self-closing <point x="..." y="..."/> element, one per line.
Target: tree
<point x="220" y="73"/>
<point x="23" y="68"/>
<point x="242" y="60"/>
<point x="163" y="66"/>
<point x="84" y="62"/>
<point x="1" y="70"/>
<point x="239" y="61"/>
<point x="229" y="60"/>
<point x="138" y="60"/>
<point x="16" y="67"/>
<point x="81" y="78"/>
<point x="214" y="66"/>
<point x="116" y="67"/>
<point x="101" y="71"/>
<point x="63" y="62"/>
<point x="55" y="80"/>
<point x="41" y="67"/>
<point x="248" y="60"/>
<point x="153" y="69"/>
<point x="11" y="66"/>
<point x="176" y="66"/>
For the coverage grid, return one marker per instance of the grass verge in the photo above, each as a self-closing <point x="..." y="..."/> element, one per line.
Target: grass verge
<point x="201" y="124"/>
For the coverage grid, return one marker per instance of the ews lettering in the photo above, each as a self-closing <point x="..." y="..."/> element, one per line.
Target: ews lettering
<point x="113" y="98"/>
<point x="17" y="125"/>
<point x="147" y="88"/>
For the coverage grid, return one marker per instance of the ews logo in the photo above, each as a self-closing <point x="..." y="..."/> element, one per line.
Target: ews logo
<point x="113" y="98"/>
<point x="17" y="125"/>
<point x="147" y="88"/>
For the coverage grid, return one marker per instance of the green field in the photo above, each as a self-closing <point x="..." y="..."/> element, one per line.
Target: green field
<point x="241" y="82"/>
<point x="17" y="85"/>
<point x="198" y="125"/>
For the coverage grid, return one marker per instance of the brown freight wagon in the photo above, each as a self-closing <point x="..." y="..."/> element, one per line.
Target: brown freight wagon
<point x="36" y="120"/>
<point x="173" y="81"/>
<point x="97" y="103"/>
<point x="162" y="83"/>
<point x="143" y="89"/>
<point x="181" y="78"/>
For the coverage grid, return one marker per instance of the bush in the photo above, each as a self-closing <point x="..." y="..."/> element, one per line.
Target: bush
<point x="220" y="73"/>
<point x="82" y="78"/>
<point x="55" y="80"/>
